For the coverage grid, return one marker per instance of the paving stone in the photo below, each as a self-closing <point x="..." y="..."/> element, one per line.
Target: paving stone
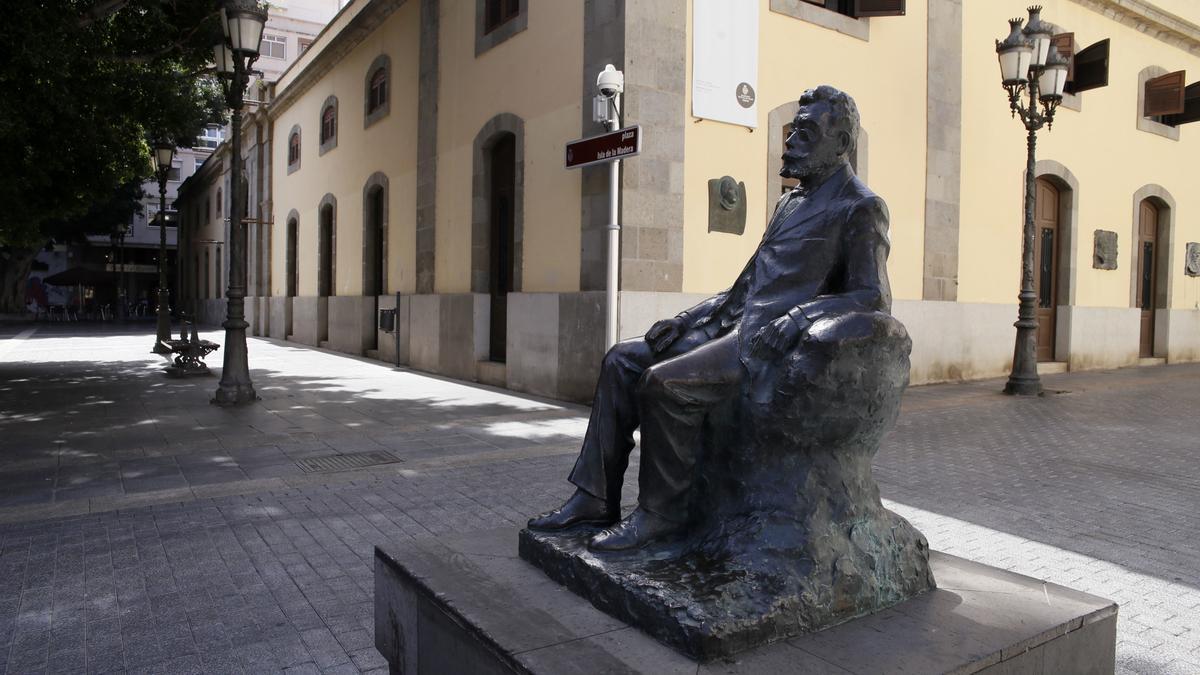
<point x="1095" y="489"/>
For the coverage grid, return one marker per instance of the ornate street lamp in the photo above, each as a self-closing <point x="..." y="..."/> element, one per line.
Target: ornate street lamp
<point x="164" y="153"/>
<point x="1029" y="64"/>
<point x="242" y="22"/>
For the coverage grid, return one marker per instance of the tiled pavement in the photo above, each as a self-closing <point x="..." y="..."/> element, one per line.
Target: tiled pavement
<point x="142" y="529"/>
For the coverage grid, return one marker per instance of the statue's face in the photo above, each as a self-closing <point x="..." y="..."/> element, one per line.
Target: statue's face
<point x="815" y="144"/>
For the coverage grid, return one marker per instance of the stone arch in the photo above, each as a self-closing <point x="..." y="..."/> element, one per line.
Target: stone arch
<point x="327" y="246"/>
<point x="371" y="116"/>
<point x="1162" y="199"/>
<point x="776" y="119"/>
<point x="330" y="142"/>
<point x="375" y="250"/>
<point x="485" y="140"/>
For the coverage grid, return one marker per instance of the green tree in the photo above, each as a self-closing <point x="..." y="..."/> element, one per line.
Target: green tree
<point x="83" y="85"/>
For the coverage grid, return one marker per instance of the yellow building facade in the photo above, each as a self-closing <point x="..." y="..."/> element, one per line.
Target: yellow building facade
<point x="443" y="197"/>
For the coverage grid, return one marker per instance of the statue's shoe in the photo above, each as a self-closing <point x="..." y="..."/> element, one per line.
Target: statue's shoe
<point x="638" y="529"/>
<point x="581" y="509"/>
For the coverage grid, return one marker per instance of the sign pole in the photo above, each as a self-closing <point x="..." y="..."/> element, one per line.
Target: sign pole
<point x="610" y="147"/>
<point x="614" y="235"/>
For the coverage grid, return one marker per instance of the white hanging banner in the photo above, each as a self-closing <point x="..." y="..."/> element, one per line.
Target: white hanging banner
<point x="725" y="61"/>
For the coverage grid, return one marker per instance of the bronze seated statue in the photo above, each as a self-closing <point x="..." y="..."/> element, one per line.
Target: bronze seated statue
<point x="760" y="411"/>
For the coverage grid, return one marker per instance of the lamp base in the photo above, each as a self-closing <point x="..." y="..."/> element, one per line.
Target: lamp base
<point x="1023" y="386"/>
<point x="237" y="394"/>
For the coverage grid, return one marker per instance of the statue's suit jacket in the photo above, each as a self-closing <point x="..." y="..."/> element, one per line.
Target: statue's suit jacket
<point x="825" y="253"/>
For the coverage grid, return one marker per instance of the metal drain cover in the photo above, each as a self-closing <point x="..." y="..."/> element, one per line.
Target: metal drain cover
<point x="356" y="460"/>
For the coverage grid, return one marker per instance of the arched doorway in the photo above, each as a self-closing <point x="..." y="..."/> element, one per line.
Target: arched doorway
<point x="374" y="281"/>
<point x="374" y="260"/>
<point x="292" y="269"/>
<point x="325" y="235"/>
<point x="501" y="159"/>
<point x="1147" y="256"/>
<point x="1046" y="241"/>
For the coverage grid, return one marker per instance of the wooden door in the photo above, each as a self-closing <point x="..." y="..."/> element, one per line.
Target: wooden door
<point x="1045" y="266"/>
<point x="1147" y="273"/>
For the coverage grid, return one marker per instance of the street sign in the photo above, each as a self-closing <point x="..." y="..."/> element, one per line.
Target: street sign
<point x="614" y="145"/>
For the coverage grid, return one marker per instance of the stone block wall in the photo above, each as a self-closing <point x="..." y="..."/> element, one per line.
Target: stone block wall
<point x="281" y="317"/>
<point x="352" y="323"/>
<point x="310" y="320"/>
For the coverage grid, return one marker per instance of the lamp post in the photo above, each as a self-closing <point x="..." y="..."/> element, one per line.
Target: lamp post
<point x="122" y="305"/>
<point x="242" y="22"/>
<point x="164" y="153"/>
<point x="1029" y="65"/>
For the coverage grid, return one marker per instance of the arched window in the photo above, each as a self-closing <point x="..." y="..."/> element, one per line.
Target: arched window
<point x="377" y="90"/>
<point x="329" y="115"/>
<point x="328" y="124"/>
<point x="293" y="156"/>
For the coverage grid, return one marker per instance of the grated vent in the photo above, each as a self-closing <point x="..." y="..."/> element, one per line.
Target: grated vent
<point x="355" y="460"/>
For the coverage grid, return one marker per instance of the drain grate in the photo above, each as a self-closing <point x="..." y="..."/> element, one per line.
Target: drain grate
<point x="355" y="460"/>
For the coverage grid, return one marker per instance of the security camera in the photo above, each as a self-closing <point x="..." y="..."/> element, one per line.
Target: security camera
<point x="610" y="82"/>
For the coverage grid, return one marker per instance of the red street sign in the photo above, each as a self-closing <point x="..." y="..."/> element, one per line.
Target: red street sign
<point x="614" y="145"/>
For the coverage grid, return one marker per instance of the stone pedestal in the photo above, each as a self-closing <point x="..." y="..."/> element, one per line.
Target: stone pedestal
<point x="470" y="604"/>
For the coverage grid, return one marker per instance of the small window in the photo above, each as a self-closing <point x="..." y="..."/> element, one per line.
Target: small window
<point x="303" y="44"/>
<point x="379" y="90"/>
<point x="293" y="156"/>
<point x="328" y="124"/>
<point x="498" y="13"/>
<point x="173" y="174"/>
<point x="862" y="9"/>
<point x="198" y="163"/>
<point x="273" y="46"/>
<point x="1165" y="95"/>
<point x="210" y="137"/>
<point x="172" y="218"/>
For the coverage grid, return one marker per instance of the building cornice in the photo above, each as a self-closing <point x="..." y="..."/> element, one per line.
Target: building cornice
<point x="339" y="45"/>
<point x="1144" y="17"/>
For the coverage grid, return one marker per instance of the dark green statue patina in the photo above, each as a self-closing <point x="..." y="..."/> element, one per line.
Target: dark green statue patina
<point x="760" y="411"/>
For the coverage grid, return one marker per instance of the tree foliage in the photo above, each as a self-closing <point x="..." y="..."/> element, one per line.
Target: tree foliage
<point x="83" y="85"/>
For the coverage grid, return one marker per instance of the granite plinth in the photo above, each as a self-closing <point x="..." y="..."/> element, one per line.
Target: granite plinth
<point x="470" y="604"/>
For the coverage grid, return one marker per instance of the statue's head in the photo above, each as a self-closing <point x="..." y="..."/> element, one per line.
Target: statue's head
<point x="824" y="134"/>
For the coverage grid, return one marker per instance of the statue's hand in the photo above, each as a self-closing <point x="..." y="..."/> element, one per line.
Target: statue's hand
<point x="664" y="333"/>
<point x="775" y="338"/>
